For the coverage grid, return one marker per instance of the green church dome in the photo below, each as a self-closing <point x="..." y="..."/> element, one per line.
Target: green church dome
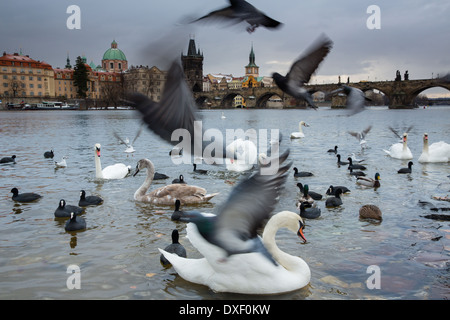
<point x="114" y="53"/>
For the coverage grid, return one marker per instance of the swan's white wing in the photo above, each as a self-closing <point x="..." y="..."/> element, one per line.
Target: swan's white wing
<point x="194" y="270"/>
<point x="115" y="171"/>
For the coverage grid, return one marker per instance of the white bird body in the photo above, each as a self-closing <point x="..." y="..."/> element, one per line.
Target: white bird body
<point x="223" y="116"/>
<point x="62" y="163"/>
<point x="436" y="152"/>
<point x="299" y="134"/>
<point x="246" y="155"/>
<point x="246" y="273"/>
<point x="115" y="171"/>
<point x="167" y="195"/>
<point x="400" y="150"/>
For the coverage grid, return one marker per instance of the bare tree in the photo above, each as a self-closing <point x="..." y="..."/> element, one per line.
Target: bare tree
<point x="16" y="85"/>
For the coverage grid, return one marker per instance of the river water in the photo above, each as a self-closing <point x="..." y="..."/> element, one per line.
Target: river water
<point x="118" y="256"/>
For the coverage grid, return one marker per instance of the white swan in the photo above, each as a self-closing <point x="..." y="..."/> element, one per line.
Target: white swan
<point x="187" y="194"/>
<point x="299" y="134"/>
<point x="246" y="155"/>
<point x="436" y="152"/>
<point x="400" y="150"/>
<point x="223" y="116"/>
<point x="115" y="171"/>
<point x="246" y="273"/>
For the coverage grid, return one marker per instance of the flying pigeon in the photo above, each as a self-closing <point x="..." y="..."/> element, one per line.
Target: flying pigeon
<point x="238" y="11"/>
<point x="235" y="223"/>
<point x="176" y="110"/>
<point x="355" y="99"/>
<point x="302" y="70"/>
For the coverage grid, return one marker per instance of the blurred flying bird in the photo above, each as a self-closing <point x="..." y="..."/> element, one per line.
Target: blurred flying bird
<point x="176" y="110"/>
<point x="355" y="99"/>
<point x="239" y="11"/>
<point x="302" y="70"/>
<point x="399" y="135"/>
<point x="361" y="136"/>
<point x="130" y="148"/>
<point x="234" y="226"/>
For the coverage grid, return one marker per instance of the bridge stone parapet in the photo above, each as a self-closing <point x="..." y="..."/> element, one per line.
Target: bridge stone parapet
<point x="401" y="94"/>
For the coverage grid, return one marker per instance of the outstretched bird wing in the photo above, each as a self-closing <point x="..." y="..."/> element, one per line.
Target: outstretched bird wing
<point x="306" y="65"/>
<point x="247" y="208"/>
<point x="238" y="11"/>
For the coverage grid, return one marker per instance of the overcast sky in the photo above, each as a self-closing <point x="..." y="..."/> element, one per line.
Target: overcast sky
<point x="414" y="35"/>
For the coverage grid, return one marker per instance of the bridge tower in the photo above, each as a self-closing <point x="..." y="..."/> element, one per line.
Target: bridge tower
<point x="193" y="67"/>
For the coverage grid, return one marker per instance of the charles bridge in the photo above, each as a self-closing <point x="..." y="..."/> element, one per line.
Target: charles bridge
<point x="400" y="94"/>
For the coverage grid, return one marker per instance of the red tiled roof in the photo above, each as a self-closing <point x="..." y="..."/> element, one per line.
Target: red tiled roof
<point x="7" y="59"/>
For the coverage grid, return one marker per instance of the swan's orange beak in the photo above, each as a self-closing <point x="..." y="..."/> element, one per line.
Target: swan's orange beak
<point x="300" y="232"/>
<point x="98" y="152"/>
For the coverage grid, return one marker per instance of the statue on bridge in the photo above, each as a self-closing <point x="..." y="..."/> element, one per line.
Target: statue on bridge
<point x="406" y="76"/>
<point x="398" y="76"/>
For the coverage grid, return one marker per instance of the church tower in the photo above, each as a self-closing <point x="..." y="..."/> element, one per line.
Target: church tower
<point x="252" y="69"/>
<point x="193" y="67"/>
<point x="68" y="66"/>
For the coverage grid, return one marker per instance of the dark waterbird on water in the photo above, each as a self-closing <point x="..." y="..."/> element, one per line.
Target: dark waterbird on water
<point x="75" y="223"/>
<point x="240" y="11"/>
<point x="177" y="213"/>
<point x="406" y="170"/>
<point x="302" y="173"/>
<point x="175" y="247"/>
<point x="180" y="179"/>
<point x="334" y="201"/>
<point x="24" y="197"/>
<point x="355" y="166"/>
<point x="64" y="210"/>
<point x="199" y="171"/>
<point x="332" y="189"/>
<point x="49" y="154"/>
<point x="339" y="162"/>
<point x="309" y="212"/>
<point x="89" y="200"/>
<point x="302" y="70"/>
<point x="334" y="150"/>
<point x="11" y="159"/>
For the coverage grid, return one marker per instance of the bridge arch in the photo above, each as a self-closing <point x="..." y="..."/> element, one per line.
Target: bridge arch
<point x="227" y="100"/>
<point x="262" y="100"/>
<point x="418" y="91"/>
<point x="203" y="101"/>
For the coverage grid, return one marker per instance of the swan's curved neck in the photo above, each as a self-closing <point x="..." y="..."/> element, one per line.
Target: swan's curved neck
<point x="425" y="145"/>
<point x="98" y="167"/>
<point x="300" y="127"/>
<point x="404" y="144"/>
<point x="286" y="260"/>
<point x="148" y="180"/>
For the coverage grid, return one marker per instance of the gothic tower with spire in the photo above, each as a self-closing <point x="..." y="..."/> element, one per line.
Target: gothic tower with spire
<point x="193" y="67"/>
<point x="252" y="69"/>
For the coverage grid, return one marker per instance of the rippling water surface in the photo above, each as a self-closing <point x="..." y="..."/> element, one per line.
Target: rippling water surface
<point x="118" y="252"/>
